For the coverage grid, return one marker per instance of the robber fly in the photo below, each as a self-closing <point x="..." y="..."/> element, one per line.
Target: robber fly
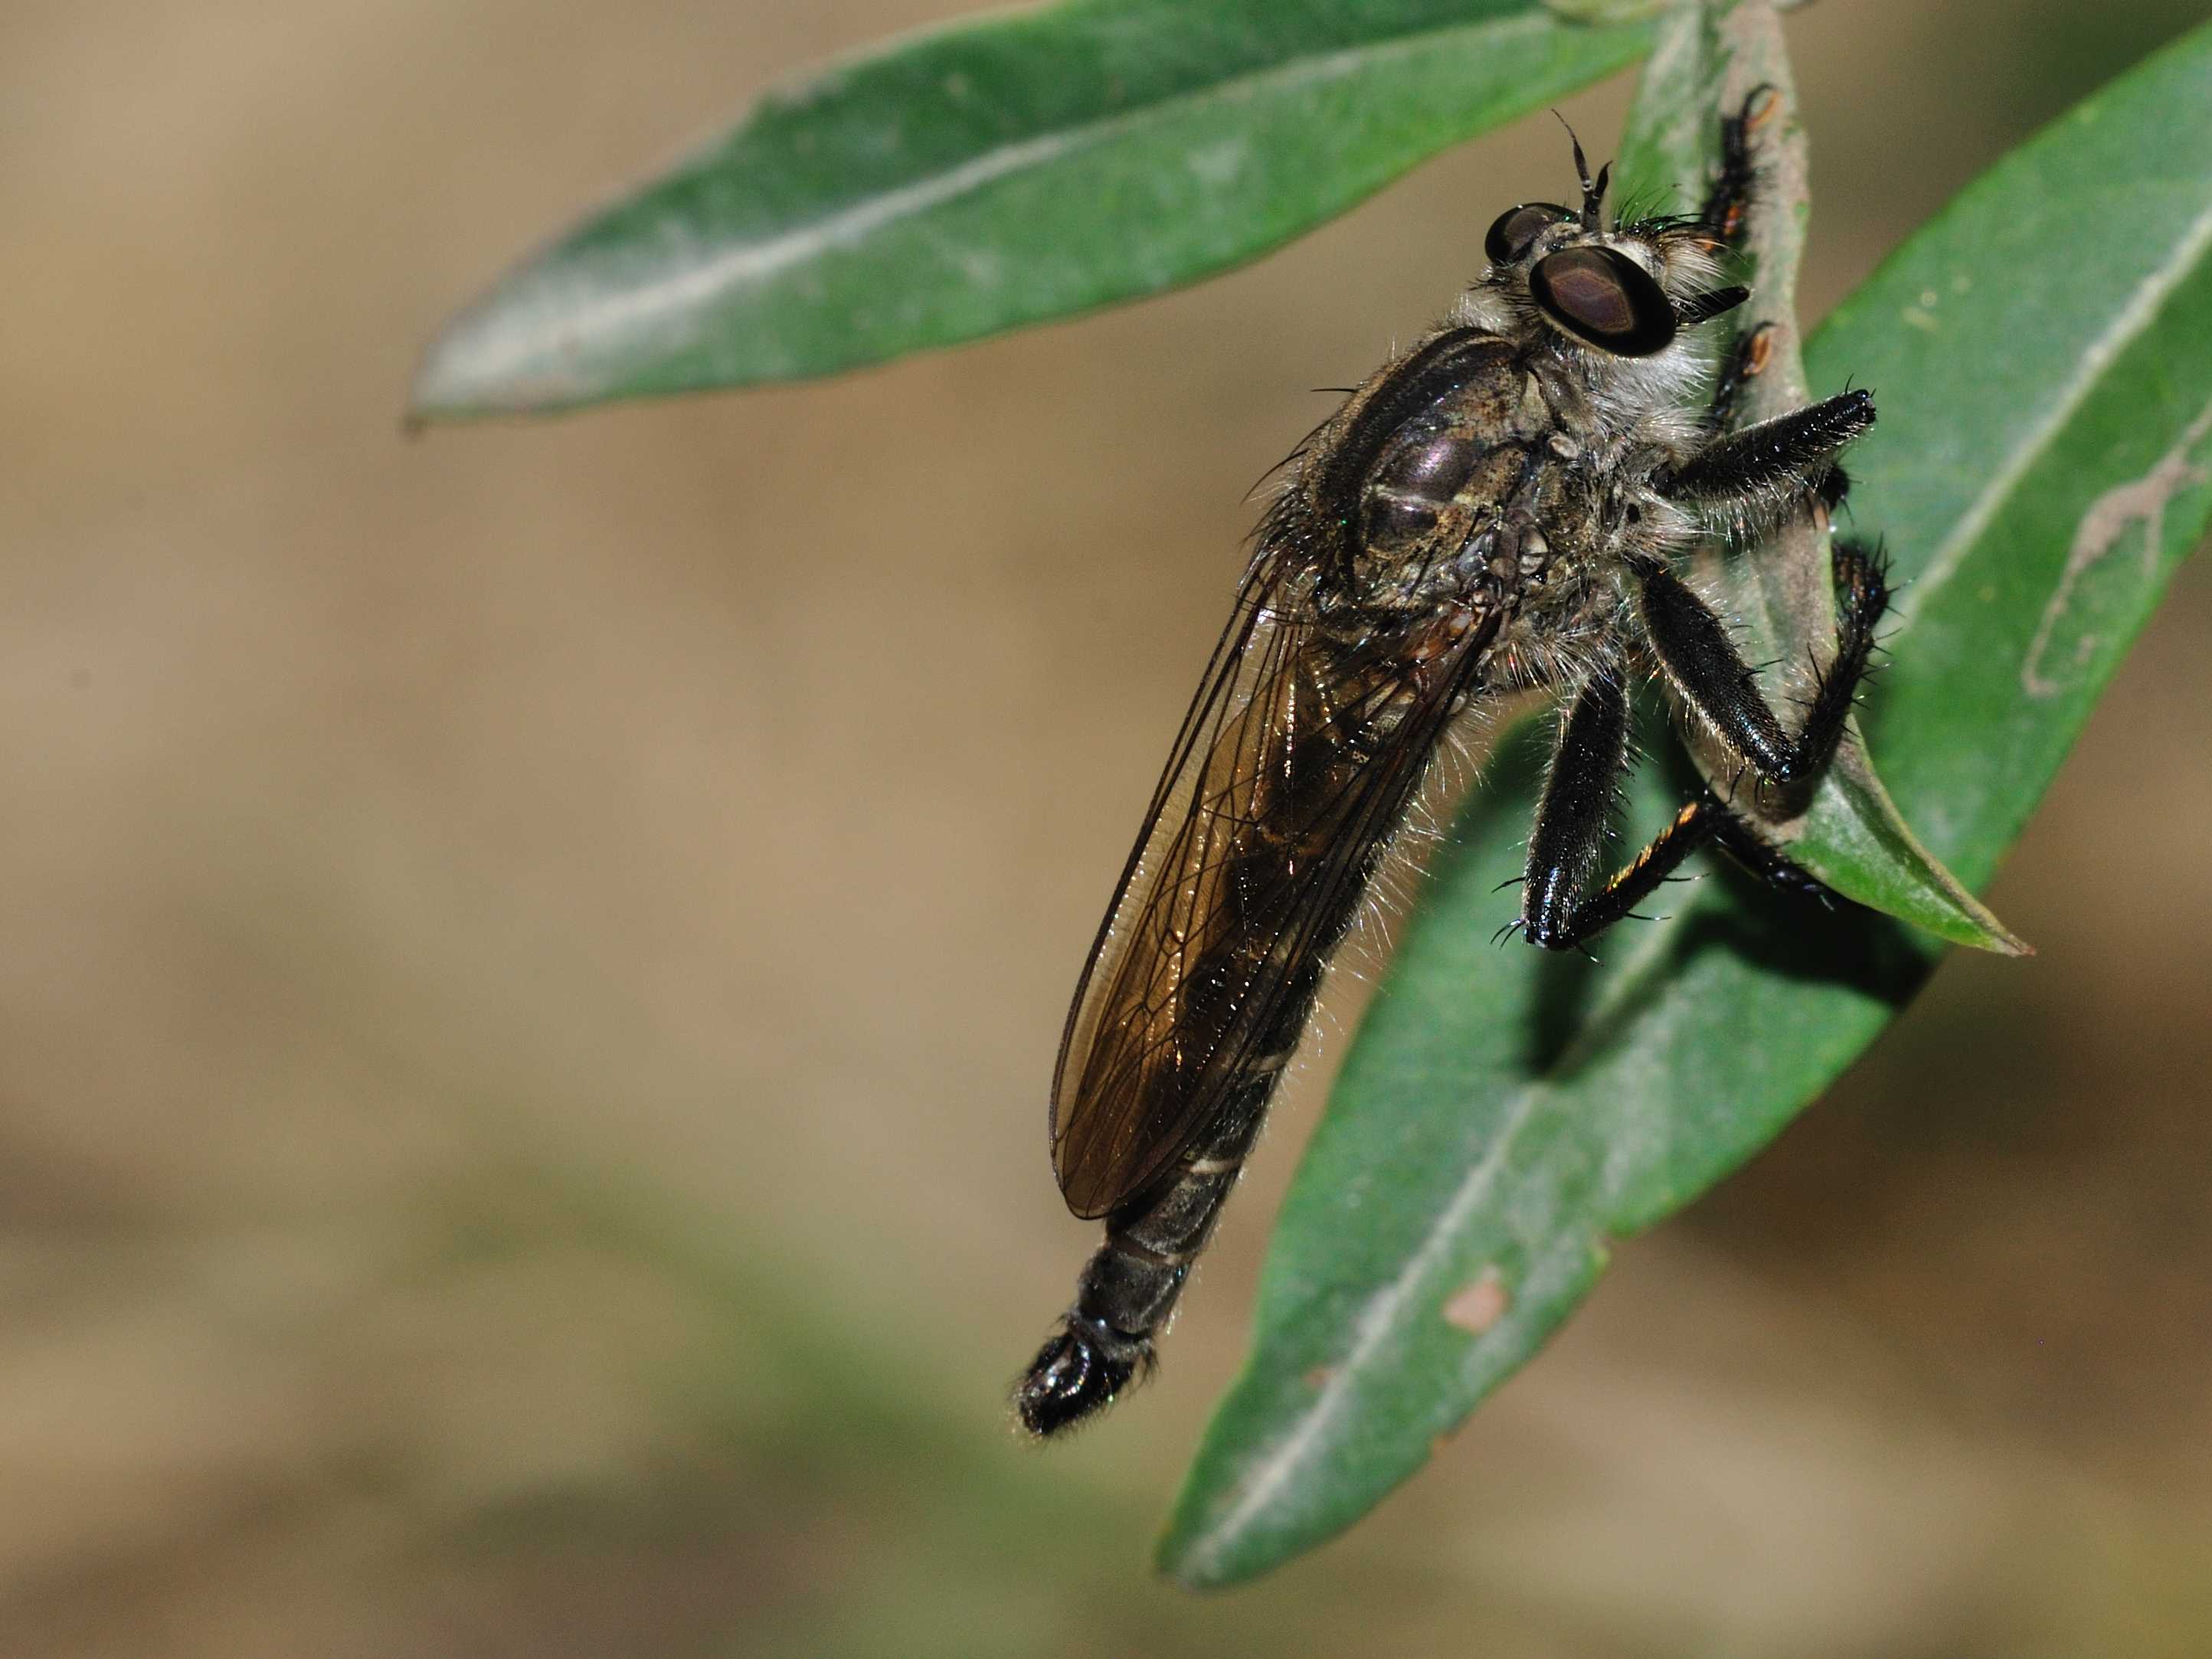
<point x="1500" y="508"/>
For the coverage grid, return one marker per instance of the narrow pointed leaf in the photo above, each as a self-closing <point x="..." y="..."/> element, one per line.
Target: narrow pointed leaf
<point x="1025" y="166"/>
<point x="2043" y="463"/>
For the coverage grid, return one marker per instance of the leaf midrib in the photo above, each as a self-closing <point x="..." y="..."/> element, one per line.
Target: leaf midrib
<point x="750" y="262"/>
<point x="1268" y="1473"/>
<point x="2127" y="324"/>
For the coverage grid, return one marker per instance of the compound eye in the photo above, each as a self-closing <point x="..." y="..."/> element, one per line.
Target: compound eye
<point x="1516" y="227"/>
<point x="1605" y="298"/>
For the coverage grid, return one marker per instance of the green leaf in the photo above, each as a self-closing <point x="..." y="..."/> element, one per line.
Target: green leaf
<point x="2043" y="463"/>
<point x="1845" y="828"/>
<point x="1022" y="166"/>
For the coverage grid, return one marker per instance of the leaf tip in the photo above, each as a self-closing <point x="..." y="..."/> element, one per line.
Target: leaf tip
<point x="1216" y="1536"/>
<point x="1184" y="1558"/>
<point x="1964" y="919"/>
<point x="517" y="349"/>
<point x="448" y="384"/>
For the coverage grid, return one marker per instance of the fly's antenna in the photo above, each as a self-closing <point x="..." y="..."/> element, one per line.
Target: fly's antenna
<point x="1592" y="189"/>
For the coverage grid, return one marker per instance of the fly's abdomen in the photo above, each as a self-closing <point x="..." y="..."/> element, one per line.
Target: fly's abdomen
<point x="1290" y="879"/>
<point x="1128" y="1292"/>
<point x="1351" y="652"/>
<point x="1296" y="871"/>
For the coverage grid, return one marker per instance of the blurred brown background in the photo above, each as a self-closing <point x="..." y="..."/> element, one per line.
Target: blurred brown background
<point x="531" y="956"/>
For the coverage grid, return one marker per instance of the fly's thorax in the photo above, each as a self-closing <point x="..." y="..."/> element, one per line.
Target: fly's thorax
<point x="1487" y="501"/>
<point x="1439" y="481"/>
<point x="1478" y="480"/>
<point x="1421" y="457"/>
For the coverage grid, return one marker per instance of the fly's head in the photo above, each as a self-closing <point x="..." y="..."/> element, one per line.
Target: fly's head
<point x="1616" y="300"/>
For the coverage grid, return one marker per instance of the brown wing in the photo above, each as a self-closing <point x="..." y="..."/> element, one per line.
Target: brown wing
<point x="1293" y="769"/>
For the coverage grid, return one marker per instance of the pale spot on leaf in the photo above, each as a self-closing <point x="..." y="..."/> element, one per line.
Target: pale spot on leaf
<point x="2139" y="501"/>
<point x="1478" y="1305"/>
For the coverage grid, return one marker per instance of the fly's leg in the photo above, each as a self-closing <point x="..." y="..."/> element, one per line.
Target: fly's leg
<point x="1561" y="907"/>
<point x="1761" y="858"/>
<point x="1744" y="364"/>
<point x="1728" y="199"/>
<point x="1710" y="677"/>
<point x="1756" y="472"/>
<point x="1564" y="920"/>
<point x="1750" y="475"/>
<point x="1705" y="821"/>
<point x="1727" y="203"/>
<point x="1559" y="910"/>
<point x="1579" y="792"/>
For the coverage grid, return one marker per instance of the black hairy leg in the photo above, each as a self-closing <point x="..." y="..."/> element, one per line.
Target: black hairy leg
<point x="1710" y="677"/>
<point x="1567" y="917"/>
<point x="1580" y="789"/>
<point x="1727" y="202"/>
<point x="1561" y="906"/>
<point x="1752" y="472"/>
<point x="1728" y="198"/>
<point x="1759" y="856"/>
<point x="1747" y="475"/>
<point x="1746" y="363"/>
